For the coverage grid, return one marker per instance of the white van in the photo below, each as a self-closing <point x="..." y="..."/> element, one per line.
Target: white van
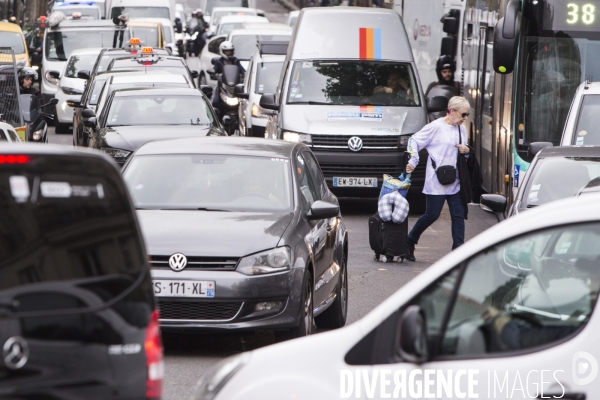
<point x="142" y="9"/>
<point x="354" y="98"/>
<point x="582" y="127"/>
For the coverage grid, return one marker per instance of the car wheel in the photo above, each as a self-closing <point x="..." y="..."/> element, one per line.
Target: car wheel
<point x="305" y="326"/>
<point x="335" y="315"/>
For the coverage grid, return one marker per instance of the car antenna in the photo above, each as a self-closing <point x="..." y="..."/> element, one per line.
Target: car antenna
<point x="588" y="81"/>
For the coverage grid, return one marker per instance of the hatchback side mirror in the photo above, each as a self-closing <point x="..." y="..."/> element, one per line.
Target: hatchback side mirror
<point x="267" y="101"/>
<point x="238" y="91"/>
<point x="323" y="210"/>
<point x="90" y="123"/>
<point x="87" y="113"/>
<point x="412" y="335"/>
<point x="207" y="90"/>
<point x="536" y="147"/>
<point x="83" y="74"/>
<point x="194" y="74"/>
<point x="437" y="103"/>
<point x="54" y="74"/>
<point x="494" y="203"/>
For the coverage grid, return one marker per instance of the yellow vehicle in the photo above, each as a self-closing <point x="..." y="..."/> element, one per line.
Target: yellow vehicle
<point x="150" y="33"/>
<point x="11" y="35"/>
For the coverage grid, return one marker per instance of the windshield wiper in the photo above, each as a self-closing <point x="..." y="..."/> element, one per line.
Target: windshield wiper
<point x="532" y="205"/>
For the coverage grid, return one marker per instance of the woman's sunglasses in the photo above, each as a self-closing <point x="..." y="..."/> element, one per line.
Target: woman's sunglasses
<point x="464" y="115"/>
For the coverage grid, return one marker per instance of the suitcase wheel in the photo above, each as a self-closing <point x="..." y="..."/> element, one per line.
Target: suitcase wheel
<point x="401" y="259"/>
<point x="388" y="258"/>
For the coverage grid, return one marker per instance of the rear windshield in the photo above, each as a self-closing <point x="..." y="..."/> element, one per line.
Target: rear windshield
<point x="141" y="12"/>
<point x="267" y="77"/>
<point x="83" y="62"/>
<point x="67" y="239"/>
<point x="210" y="4"/>
<point x="12" y="39"/>
<point x="588" y="129"/>
<point x="353" y="82"/>
<point x="147" y="34"/>
<point x="60" y="44"/>
<point x="245" y="45"/>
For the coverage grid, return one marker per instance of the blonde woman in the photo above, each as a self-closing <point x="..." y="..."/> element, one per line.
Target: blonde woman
<point x="443" y="139"/>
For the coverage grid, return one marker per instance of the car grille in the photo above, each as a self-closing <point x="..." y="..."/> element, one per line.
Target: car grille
<point x="197" y="310"/>
<point x="340" y="142"/>
<point x="355" y="170"/>
<point x="202" y="263"/>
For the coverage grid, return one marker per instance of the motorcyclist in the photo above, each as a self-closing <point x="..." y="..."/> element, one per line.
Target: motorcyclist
<point x="227" y="51"/>
<point x="200" y="26"/>
<point x="445" y="69"/>
<point x="26" y="78"/>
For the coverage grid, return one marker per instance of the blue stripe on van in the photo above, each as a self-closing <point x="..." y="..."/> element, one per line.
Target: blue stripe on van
<point x="377" y="43"/>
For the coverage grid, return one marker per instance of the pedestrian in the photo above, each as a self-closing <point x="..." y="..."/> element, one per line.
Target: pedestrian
<point x="443" y="139"/>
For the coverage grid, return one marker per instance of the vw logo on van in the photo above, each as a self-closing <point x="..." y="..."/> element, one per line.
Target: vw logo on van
<point x="355" y="143"/>
<point x="15" y="352"/>
<point x="177" y="262"/>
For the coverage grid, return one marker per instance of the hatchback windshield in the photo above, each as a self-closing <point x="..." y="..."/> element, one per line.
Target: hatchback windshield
<point x="210" y="182"/>
<point x="245" y="45"/>
<point x="13" y="39"/>
<point x="141" y="12"/>
<point x="79" y="63"/>
<point x="210" y="4"/>
<point x="60" y="44"/>
<point x="354" y="83"/>
<point x="267" y="77"/>
<point x="158" y="110"/>
<point x="557" y="178"/>
<point x="588" y="130"/>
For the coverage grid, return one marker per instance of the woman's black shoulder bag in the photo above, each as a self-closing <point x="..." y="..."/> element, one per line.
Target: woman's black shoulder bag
<point x="446" y="174"/>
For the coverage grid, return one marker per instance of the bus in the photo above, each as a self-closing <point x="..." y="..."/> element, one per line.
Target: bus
<point x="519" y="63"/>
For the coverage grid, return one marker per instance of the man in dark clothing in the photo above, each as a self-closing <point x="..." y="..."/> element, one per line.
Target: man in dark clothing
<point x="445" y="72"/>
<point x="26" y="78"/>
<point x="227" y="51"/>
<point x="200" y="26"/>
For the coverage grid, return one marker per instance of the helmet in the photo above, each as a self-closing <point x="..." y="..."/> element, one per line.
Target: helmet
<point x="445" y="62"/>
<point x="226" y="46"/>
<point x="25" y="72"/>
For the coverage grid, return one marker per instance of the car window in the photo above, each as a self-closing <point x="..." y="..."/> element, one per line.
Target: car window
<point x="307" y="186"/>
<point x="13" y="135"/>
<point x="213" y="46"/>
<point x="96" y="91"/>
<point x="78" y="63"/>
<point x="527" y="292"/>
<point x="315" y="174"/>
<point x="587" y="131"/>
<point x="3" y="136"/>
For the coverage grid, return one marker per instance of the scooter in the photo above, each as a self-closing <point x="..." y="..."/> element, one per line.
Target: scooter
<point x="36" y="128"/>
<point x="228" y="103"/>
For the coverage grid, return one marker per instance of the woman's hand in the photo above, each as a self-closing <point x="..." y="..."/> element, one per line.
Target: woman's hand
<point x="463" y="149"/>
<point x="409" y="168"/>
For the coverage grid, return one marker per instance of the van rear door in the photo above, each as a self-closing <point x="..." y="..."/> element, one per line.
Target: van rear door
<point x="75" y="289"/>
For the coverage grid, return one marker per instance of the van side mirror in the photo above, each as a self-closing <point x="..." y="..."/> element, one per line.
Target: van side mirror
<point x="90" y="123"/>
<point x="54" y="74"/>
<point x="267" y="101"/>
<point x="506" y="39"/>
<point x="207" y="90"/>
<point x="87" y="113"/>
<point x="437" y="103"/>
<point x="494" y="203"/>
<point x="238" y="91"/>
<point x="323" y="210"/>
<point x="412" y="335"/>
<point x="450" y="25"/>
<point x="83" y="74"/>
<point x="536" y="147"/>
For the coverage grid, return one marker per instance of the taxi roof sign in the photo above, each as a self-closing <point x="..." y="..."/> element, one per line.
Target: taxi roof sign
<point x="147" y="50"/>
<point x="134" y="41"/>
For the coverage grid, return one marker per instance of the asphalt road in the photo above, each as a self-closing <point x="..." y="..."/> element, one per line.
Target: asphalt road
<point x="187" y="357"/>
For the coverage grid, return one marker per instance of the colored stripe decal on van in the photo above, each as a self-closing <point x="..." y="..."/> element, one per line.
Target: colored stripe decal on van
<point x="371" y="109"/>
<point x="369" y="43"/>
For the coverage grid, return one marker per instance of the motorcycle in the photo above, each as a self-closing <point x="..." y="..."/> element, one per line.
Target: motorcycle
<point x="36" y="128"/>
<point x="228" y="103"/>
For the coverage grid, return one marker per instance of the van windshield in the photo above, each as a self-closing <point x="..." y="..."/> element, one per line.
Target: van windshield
<point x="353" y="82"/>
<point x="60" y="44"/>
<point x="68" y="240"/>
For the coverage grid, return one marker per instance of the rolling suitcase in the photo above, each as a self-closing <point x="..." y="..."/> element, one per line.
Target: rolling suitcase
<point x="388" y="238"/>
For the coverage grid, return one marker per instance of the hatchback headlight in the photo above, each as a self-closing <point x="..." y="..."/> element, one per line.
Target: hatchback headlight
<point x="215" y="379"/>
<point x="50" y="79"/>
<point x="37" y="135"/>
<point x="266" y="262"/>
<point x="68" y="90"/>
<point x="118" y="154"/>
<point x="297" y="137"/>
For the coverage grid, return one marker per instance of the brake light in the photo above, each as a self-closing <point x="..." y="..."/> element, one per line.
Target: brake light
<point x="14" y="159"/>
<point x="154" y="358"/>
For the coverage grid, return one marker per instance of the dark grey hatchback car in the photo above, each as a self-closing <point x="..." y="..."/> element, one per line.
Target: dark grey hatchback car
<point x="242" y="233"/>
<point x="77" y="314"/>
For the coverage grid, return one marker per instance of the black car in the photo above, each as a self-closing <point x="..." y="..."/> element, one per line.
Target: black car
<point x="78" y="318"/>
<point x="557" y="173"/>
<point x="243" y="234"/>
<point x="133" y="117"/>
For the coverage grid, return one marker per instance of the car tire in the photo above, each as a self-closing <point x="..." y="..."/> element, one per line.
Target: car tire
<point x="305" y="327"/>
<point x="335" y="316"/>
<point x="58" y="127"/>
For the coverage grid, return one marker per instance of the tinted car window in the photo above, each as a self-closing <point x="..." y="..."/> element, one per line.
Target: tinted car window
<point x="67" y="239"/>
<point x="315" y="174"/>
<point x="308" y="188"/>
